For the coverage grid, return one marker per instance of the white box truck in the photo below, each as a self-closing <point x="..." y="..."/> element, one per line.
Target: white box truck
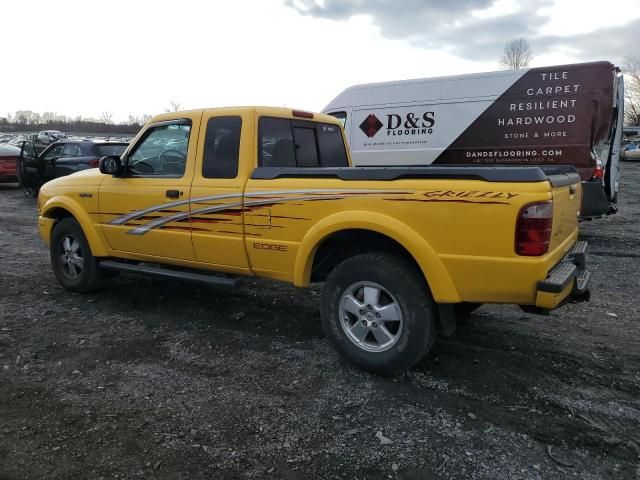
<point x="552" y="116"/>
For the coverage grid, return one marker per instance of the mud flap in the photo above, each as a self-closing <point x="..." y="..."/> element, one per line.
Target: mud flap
<point x="447" y="322"/>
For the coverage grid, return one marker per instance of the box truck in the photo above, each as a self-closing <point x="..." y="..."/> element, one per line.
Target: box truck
<point x="560" y="115"/>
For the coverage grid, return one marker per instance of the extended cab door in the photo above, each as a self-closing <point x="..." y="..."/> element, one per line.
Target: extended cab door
<point x="146" y="211"/>
<point x="217" y="205"/>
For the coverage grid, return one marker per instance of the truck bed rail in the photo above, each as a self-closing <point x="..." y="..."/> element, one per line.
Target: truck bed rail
<point x="468" y="172"/>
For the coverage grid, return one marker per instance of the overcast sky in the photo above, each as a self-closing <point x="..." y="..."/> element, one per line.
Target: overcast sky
<point x="135" y="56"/>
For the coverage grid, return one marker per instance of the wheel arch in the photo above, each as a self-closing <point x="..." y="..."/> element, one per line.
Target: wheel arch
<point x="60" y="207"/>
<point x="372" y="231"/>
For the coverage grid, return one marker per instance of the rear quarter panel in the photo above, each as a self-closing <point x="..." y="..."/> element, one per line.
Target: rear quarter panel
<point x="461" y="232"/>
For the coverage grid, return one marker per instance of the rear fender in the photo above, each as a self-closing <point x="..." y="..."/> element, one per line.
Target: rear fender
<point x="439" y="281"/>
<point x="96" y="242"/>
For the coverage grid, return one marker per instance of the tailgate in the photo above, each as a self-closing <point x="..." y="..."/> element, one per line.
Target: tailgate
<point x="567" y="198"/>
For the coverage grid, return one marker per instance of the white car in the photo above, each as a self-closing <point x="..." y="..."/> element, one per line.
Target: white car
<point x="47" y="137"/>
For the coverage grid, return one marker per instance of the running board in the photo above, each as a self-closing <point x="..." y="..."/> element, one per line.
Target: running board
<point x="188" y="276"/>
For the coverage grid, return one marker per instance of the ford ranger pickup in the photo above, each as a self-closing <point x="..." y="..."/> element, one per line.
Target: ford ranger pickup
<point x="214" y="195"/>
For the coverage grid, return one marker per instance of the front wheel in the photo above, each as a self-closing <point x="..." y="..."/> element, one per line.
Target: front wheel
<point x="378" y="312"/>
<point x="73" y="264"/>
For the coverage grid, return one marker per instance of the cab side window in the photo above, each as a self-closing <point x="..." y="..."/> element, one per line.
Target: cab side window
<point x="162" y="152"/>
<point x="222" y="147"/>
<point x="295" y="143"/>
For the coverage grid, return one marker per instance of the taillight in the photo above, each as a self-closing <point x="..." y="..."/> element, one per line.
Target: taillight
<point x="533" y="229"/>
<point x="598" y="172"/>
<point x="94" y="163"/>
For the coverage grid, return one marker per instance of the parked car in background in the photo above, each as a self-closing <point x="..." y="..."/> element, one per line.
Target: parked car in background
<point x="60" y="159"/>
<point x="631" y="152"/>
<point x="8" y="159"/>
<point x="47" y="137"/>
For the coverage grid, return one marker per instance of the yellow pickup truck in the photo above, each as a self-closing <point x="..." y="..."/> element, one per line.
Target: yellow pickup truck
<point x="214" y="195"/>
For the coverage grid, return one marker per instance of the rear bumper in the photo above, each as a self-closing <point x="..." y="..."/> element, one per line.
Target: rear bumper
<point x="567" y="281"/>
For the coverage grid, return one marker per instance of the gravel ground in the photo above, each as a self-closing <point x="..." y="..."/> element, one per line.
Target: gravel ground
<point x="157" y="379"/>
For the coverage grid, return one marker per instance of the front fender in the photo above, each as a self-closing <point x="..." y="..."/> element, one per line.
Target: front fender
<point x="96" y="242"/>
<point x="440" y="282"/>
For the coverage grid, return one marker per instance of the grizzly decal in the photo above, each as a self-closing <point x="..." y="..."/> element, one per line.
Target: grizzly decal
<point x="469" y="194"/>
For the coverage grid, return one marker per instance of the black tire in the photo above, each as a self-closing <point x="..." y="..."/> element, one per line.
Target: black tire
<point x="64" y="258"/>
<point x="403" y="285"/>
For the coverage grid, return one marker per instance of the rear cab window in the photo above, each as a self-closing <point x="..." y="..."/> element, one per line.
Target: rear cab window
<point x="296" y="143"/>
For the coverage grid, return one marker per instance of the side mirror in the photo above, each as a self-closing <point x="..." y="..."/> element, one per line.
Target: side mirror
<point x="110" y="165"/>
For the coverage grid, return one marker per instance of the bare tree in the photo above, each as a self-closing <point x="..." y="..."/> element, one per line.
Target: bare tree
<point x="106" y="117"/>
<point x="24" y="117"/>
<point x="632" y="90"/>
<point x="174" y="106"/>
<point x="517" y="54"/>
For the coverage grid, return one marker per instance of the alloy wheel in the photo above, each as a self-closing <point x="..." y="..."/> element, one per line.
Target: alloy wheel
<point x="370" y="316"/>
<point x="71" y="258"/>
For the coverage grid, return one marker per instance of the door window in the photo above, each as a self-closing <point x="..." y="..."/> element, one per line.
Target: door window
<point x="222" y="147"/>
<point x="71" y="150"/>
<point x="162" y="152"/>
<point x="55" y="152"/>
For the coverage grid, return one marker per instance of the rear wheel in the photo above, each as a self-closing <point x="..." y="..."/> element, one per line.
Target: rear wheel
<point x="73" y="264"/>
<point x="378" y="312"/>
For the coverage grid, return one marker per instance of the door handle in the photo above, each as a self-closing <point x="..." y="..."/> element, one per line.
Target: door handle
<point x="173" y="193"/>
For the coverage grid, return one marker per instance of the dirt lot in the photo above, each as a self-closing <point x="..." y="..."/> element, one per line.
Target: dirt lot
<point x="158" y="379"/>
